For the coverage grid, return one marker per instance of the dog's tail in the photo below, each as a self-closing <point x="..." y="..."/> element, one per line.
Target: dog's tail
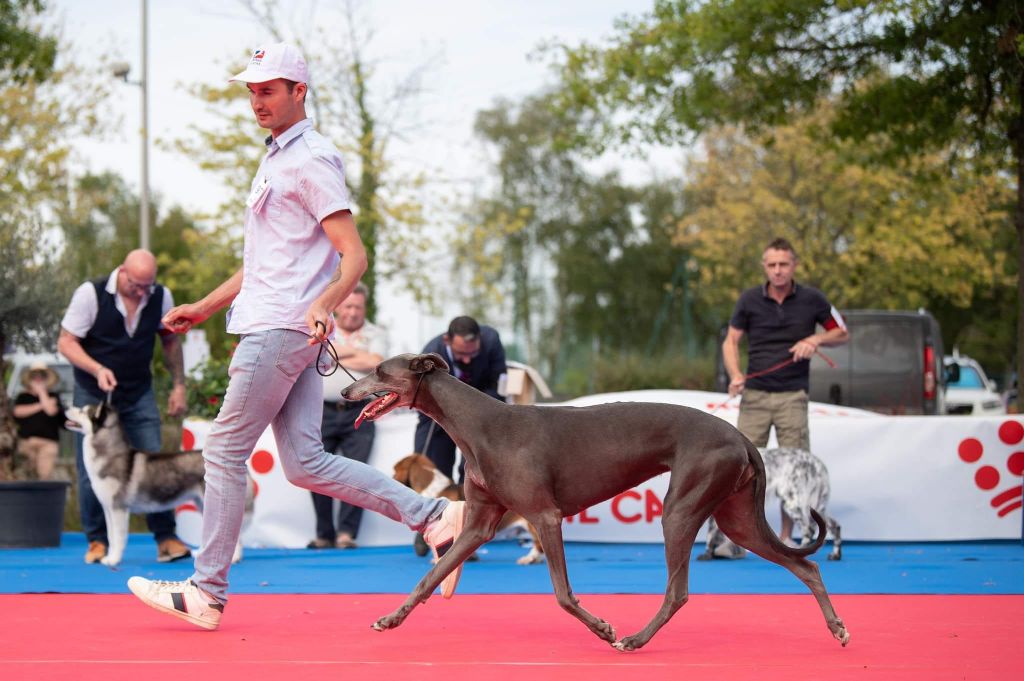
<point x="763" y="528"/>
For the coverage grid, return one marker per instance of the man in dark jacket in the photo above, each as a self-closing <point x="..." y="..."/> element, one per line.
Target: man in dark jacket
<point x="475" y="356"/>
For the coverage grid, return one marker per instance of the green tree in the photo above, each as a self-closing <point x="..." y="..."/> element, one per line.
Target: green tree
<point x="26" y="53"/>
<point x="920" y="233"/>
<point x="37" y="122"/>
<point x="587" y="261"/>
<point x="909" y="76"/>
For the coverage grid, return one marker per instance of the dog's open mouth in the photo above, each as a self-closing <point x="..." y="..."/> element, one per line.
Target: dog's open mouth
<point x="377" y="408"/>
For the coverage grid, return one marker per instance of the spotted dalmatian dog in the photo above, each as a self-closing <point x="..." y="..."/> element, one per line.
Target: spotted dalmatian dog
<point x="800" y="481"/>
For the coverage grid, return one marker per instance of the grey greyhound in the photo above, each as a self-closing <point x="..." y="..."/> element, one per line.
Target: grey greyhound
<point x="547" y="463"/>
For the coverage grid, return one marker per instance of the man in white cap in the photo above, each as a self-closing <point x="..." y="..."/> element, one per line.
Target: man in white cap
<point x="298" y="221"/>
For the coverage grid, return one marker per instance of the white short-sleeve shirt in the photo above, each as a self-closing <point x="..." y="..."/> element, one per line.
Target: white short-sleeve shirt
<point x="287" y="259"/>
<point x="368" y="338"/>
<point x="84" y="306"/>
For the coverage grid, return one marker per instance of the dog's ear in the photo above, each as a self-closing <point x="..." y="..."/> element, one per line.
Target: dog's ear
<point x="424" y="364"/>
<point x="402" y="470"/>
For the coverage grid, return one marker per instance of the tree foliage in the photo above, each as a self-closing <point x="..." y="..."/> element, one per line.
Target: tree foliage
<point x="907" y="76"/>
<point x="584" y="262"/>
<point x="920" y="233"/>
<point x="39" y="119"/>
<point x="27" y="53"/>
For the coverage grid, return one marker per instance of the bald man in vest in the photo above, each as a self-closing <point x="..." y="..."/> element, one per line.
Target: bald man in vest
<point x="108" y="334"/>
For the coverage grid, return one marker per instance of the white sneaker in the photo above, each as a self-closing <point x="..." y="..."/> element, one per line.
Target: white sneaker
<point x="441" y="534"/>
<point x="181" y="599"/>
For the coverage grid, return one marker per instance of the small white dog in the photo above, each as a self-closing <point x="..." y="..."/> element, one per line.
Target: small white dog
<point x="126" y="480"/>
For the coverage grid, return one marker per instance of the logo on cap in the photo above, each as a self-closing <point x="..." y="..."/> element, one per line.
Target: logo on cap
<point x="257" y="57"/>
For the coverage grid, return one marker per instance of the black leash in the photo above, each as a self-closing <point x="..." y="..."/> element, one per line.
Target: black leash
<point x="332" y="353"/>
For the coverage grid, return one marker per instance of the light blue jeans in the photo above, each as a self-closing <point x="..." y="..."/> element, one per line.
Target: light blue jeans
<point x="274" y="381"/>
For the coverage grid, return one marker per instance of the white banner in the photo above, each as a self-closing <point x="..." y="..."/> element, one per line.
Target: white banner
<point x="898" y="478"/>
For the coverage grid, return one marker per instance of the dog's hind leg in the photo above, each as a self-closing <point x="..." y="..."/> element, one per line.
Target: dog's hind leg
<point x="549" y="527"/>
<point x="680" y="523"/>
<point x="738" y="518"/>
<point x="481" y="524"/>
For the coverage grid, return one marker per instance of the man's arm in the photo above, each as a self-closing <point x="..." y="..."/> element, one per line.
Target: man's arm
<point x="356" y="359"/>
<point x="340" y="228"/>
<point x="496" y="365"/>
<point x="70" y="346"/>
<point x="174" y="360"/>
<point x="731" y="360"/>
<point x="181" y="318"/>
<point x="806" y="347"/>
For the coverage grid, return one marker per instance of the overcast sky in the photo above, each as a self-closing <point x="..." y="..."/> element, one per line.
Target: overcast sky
<point x="484" y="48"/>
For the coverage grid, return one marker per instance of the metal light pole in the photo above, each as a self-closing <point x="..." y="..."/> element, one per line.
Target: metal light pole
<point x="143" y="84"/>
<point x="121" y="71"/>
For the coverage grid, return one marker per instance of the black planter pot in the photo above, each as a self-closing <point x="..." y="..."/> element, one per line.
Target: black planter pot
<point x="32" y="512"/>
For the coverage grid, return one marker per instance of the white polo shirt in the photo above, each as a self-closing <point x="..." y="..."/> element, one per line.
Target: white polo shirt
<point x="288" y="260"/>
<point x="84" y="306"/>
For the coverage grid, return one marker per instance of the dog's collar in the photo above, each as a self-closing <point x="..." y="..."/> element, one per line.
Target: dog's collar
<point x="412" y="402"/>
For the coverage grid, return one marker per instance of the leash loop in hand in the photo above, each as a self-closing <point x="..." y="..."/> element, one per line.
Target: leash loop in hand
<point x="775" y="367"/>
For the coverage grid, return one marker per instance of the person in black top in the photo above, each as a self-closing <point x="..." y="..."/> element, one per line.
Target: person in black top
<point x="779" y="319"/>
<point x="40" y="415"/>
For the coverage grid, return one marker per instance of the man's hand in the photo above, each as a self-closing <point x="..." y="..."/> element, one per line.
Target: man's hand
<point x="804" y="349"/>
<point x="176" y="402"/>
<point x="736" y="386"/>
<point x="39" y="388"/>
<point x="181" y="318"/>
<point x="320" y="322"/>
<point x="106" y="380"/>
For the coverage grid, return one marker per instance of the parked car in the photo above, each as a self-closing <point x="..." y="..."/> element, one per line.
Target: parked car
<point x="891" y="365"/>
<point x="968" y="390"/>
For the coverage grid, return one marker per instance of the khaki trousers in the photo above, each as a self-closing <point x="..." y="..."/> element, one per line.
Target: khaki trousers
<point x="787" y="411"/>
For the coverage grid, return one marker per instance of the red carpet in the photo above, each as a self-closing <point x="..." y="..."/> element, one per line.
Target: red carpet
<point x="493" y="638"/>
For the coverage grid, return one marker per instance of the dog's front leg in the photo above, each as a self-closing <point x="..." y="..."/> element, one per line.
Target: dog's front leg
<point x="549" y="527"/>
<point x="481" y="524"/>
<point x="117" y="534"/>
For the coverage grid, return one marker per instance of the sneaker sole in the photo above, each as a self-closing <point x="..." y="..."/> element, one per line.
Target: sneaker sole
<point x="449" y="583"/>
<point x="198" y="621"/>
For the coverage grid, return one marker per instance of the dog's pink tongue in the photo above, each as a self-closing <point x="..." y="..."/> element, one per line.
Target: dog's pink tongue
<point x="359" y="419"/>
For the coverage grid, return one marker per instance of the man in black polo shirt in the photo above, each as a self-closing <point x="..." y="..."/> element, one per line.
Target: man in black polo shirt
<point x="779" y="319"/>
<point x="107" y="333"/>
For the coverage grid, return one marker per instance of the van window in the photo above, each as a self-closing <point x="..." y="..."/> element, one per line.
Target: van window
<point x="883" y="346"/>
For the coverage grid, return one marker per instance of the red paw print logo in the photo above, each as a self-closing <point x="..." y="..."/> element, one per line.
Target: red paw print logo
<point x="987" y="477"/>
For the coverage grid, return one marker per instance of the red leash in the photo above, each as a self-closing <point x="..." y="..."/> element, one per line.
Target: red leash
<point x="775" y="367"/>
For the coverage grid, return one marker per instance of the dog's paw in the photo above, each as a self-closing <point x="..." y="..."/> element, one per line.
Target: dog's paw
<point x="623" y="646"/>
<point x="110" y="561"/>
<point x="839" y="631"/>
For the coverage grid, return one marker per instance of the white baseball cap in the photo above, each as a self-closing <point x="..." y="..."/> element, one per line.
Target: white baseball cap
<point x="279" y="60"/>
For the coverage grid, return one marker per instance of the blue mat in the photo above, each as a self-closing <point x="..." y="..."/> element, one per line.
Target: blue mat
<point x="866" y="568"/>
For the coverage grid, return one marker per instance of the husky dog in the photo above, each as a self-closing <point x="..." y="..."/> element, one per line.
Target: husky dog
<point x="127" y="480"/>
<point x="800" y="480"/>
